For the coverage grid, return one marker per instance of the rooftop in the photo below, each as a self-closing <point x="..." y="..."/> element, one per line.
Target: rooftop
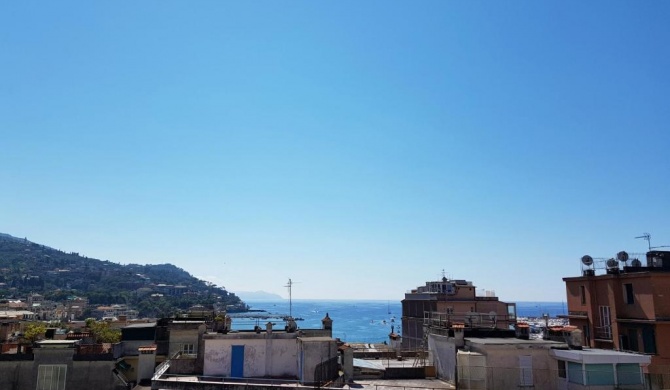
<point x="600" y="356"/>
<point x="141" y="325"/>
<point x="510" y="341"/>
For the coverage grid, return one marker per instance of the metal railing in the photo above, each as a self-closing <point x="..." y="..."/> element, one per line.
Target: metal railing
<point x="469" y="319"/>
<point x="602" y="332"/>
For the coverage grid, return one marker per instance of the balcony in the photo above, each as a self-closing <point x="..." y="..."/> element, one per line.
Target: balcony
<point x="602" y="333"/>
<point x="578" y="315"/>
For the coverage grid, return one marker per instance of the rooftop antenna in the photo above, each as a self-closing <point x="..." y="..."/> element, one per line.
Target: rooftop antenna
<point x="290" y="301"/>
<point x="647" y="236"/>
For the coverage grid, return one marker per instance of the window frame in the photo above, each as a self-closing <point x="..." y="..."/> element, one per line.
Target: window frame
<point x="187" y="349"/>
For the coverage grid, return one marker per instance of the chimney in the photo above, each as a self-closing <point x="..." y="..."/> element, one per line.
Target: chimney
<point x="327" y="322"/>
<point x="459" y="335"/>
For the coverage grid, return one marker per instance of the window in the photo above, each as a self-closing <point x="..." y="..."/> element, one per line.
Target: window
<point x="450" y="310"/>
<point x="632" y="340"/>
<point x="599" y="374"/>
<point x="623" y="342"/>
<point x="605" y="322"/>
<point x="582" y="293"/>
<point x="628" y="374"/>
<point x="575" y="373"/>
<point x="561" y="368"/>
<point x="51" y="376"/>
<point x="525" y="370"/>
<point x="188" y="349"/>
<point x="587" y="335"/>
<point x="628" y="296"/>
<point x="649" y="340"/>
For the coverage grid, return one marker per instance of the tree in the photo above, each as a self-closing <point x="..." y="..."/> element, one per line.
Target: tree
<point x="102" y="332"/>
<point x="34" y="331"/>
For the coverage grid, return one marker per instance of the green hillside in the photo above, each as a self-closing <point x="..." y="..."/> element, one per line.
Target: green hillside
<point x="153" y="289"/>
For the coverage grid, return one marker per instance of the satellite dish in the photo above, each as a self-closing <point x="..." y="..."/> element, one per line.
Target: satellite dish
<point x="636" y="263"/>
<point x="587" y="260"/>
<point x="611" y="263"/>
<point x="492" y="315"/>
<point x="622" y="256"/>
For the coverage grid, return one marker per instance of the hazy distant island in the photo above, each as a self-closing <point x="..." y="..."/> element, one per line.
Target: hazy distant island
<point x="258" y="296"/>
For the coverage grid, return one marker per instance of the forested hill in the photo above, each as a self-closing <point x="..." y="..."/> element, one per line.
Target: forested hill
<point x="27" y="267"/>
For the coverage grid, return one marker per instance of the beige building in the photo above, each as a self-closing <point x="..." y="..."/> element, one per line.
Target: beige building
<point x="511" y="363"/>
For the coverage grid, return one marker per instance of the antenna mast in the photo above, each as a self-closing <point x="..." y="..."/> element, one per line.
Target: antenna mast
<point x="290" y="303"/>
<point x="646" y="236"/>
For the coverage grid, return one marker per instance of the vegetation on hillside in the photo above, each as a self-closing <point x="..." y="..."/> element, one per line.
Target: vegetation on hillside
<point x="27" y="267"/>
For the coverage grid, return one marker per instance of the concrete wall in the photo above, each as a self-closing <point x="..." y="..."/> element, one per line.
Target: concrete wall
<point x="80" y="375"/>
<point x="17" y="375"/>
<point x="146" y="364"/>
<point x="181" y="334"/>
<point x="503" y="371"/>
<point x="183" y="365"/>
<point x="443" y="352"/>
<point x="86" y="375"/>
<point x="264" y="355"/>
<point x="312" y="353"/>
<point x="471" y="373"/>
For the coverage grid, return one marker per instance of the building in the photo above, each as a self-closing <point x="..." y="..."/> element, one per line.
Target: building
<point x="621" y="304"/>
<point x="258" y="356"/>
<point x="480" y="359"/>
<point x="451" y="301"/>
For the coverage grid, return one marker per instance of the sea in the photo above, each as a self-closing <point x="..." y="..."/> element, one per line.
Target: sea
<point x="363" y="321"/>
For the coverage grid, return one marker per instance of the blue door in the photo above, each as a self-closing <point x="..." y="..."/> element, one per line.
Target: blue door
<point x="237" y="362"/>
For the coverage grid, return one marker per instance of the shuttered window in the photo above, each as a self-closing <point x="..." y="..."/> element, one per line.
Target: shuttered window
<point x="51" y="376"/>
<point x="525" y="370"/>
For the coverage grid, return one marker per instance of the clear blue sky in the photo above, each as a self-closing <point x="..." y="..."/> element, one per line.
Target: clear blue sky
<point x="358" y="148"/>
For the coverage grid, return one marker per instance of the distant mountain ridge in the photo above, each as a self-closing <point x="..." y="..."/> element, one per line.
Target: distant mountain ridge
<point x="258" y="296"/>
<point x="27" y="267"/>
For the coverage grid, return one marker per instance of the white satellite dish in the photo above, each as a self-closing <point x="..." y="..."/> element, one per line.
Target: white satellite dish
<point x="492" y="315"/>
<point x="587" y="260"/>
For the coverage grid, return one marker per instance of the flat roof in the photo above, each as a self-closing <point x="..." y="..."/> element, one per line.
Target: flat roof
<point x="141" y="325"/>
<point x="510" y="341"/>
<point x="599" y="356"/>
<point x="369" y="364"/>
<point x="57" y="342"/>
<point x="315" y="339"/>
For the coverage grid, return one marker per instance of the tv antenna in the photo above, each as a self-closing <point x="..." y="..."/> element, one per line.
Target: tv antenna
<point x="290" y="298"/>
<point x="647" y="237"/>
